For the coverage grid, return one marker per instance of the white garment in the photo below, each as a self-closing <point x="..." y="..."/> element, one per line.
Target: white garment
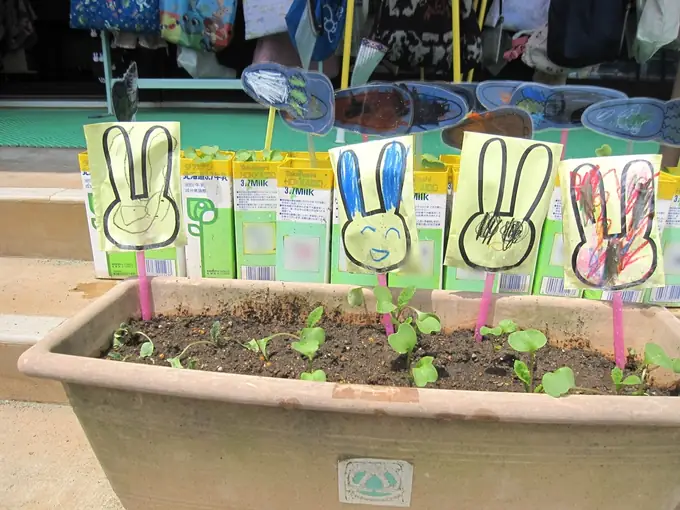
<point x="659" y="25"/>
<point x="519" y="15"/>
<point x="265" y="17"/>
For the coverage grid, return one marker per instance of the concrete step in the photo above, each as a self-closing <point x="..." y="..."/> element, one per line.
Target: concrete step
<point x="46" y="462"/>
<point x="36" y="295"/>
<point x="45" y="223"/>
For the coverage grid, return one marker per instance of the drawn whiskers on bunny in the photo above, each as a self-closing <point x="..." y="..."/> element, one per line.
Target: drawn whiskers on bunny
<point x="511" y="231"/>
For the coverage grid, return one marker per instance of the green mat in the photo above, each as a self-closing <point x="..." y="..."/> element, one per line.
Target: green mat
<point x="233" y="130"/>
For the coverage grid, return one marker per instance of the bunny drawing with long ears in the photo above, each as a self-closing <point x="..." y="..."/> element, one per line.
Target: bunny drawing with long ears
<point x="378" y="234"/>
<point x="135" y="180"/>
<point x="611" y="236"/>
<point x="504" y="190"/>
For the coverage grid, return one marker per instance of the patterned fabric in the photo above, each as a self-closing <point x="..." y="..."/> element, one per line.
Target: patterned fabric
<point x="138" y="16"/>
<point x="418" y="34"/>
<point x="199" y="24"/>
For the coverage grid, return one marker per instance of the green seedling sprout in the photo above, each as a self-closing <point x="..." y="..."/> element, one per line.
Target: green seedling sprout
<point x="308" y="343"/>
<point x="215" y="341"/>
<point x="123" y="335"/>
<point x="559" y="382"/>
<point x="505" y="327"/>
<point x="267" y="155"/>
<point x="205" y="154"/>
<point x="305" y="338"/>
<point x="528" y="341"/>
<point x="431" y="162"/>
<point x="619" y="381"/>
<point x="404" y="340"/>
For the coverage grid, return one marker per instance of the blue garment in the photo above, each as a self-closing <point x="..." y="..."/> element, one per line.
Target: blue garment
<point x="327" y="24"/>
<point x="138" y="16"/>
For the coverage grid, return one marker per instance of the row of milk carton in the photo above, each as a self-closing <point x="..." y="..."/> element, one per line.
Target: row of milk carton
<point x="262" y="220"/>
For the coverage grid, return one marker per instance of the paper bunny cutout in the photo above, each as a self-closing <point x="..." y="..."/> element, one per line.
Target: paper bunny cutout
<point x="503" y="193"/>
<point x="378" y="240"/>
<point x="611" y="240"/>
<point x="135" y="180"/>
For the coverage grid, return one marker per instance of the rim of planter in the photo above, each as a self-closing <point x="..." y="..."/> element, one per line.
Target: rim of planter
<point x="439" y="404"/>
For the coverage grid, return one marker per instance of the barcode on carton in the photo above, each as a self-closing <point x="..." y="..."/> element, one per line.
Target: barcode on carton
<point x="552" y="286"/>
<point x="667" y="294"/>
<point x="514" y="283"/>
<point x="265" y="273"/>
<point x="155" y="267"/>
<point x="628" y="296"/>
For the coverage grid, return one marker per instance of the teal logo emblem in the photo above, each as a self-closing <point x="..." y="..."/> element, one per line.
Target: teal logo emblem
<point x="375" y="482"/>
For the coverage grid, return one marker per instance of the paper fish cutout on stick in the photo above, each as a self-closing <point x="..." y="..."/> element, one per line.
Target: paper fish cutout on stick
<point x="380" y="109"/>
<point x="374" y="181"/>
<point x="125" y="95"/>
<point x="504" y="189"/>
<point x="494" y="93"/>
<point x="434" y="107"/>
<point x="636" y="119"/>
<point x="136" y="184"/>
<point x="316" y="28"/>
<point x="611" y="238"/>
<point x="306" y="96"/>
<point x="559" y="107"/>
<point x="503" y="121"/>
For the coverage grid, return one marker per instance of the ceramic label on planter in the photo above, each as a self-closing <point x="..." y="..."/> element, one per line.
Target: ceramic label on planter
<point x="375" y="482"/>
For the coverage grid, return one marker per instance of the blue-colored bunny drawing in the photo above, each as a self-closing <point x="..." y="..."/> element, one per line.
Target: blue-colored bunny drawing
<point x="377" y="240"/>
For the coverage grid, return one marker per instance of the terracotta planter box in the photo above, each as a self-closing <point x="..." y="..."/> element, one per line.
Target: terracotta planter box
<point x="171" y="439"/>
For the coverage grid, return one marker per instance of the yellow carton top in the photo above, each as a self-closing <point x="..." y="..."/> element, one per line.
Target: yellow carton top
<point x="307" y="178"/>
<point x="426" y="181"/>
<point x="669" y="186"/>
<point x="305" y="155"/>
<point x="304" y="162"/>
<point x="84" y="162"/>
<point x="259" y="169"/>
<point x="216" y="167"/>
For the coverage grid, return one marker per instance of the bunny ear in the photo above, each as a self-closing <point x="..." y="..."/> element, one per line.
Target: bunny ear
<point x="156" y="156"/>
<point x="109" y="141"/>
<point x="491" y="175"/>
<point x="535" y="172"/>
<point x="637" y="197"/>
<point x="349" y="184"/>
<point x="390" y="174"/>
<point x="587" y="197"/>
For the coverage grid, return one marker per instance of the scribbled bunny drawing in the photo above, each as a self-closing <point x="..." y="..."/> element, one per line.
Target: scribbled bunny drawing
<point x="502" y="233"/>
<point x="376" y="240"/>
<point x="143" y="214"/>
<point x="613" y="253"/>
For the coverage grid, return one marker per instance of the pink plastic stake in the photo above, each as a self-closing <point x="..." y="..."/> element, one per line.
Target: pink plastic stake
<point x="386" y="318"/>
<point x="144" y="286"/>
<point x="364" y="138"/>
<point x="484" y="305"/>
<point x="564" y="135"/>
<point x="619" y="347"/>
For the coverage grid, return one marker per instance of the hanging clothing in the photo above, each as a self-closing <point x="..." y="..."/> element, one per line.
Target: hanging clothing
<point x="17" y="30"/>
<point x="658" y="26"/>
<point x="417" y="34"/>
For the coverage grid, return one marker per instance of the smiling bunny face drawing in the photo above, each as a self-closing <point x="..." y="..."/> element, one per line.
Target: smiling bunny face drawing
<point x="379" y="239"/>
<point x="503" y="193"/>
<point x="135" y="180"/>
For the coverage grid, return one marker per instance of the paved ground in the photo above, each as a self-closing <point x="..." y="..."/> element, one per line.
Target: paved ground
<point x="46" y="462"/>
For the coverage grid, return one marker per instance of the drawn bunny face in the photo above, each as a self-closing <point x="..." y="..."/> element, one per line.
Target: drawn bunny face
<point x="377" y="240"/>
<point x="614" y="223"/>
<point x="143" y="213"/>
<point x="511" y="205"/>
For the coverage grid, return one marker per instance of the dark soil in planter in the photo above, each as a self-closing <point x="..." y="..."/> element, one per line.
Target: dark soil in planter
<point x="356" y="353"/>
